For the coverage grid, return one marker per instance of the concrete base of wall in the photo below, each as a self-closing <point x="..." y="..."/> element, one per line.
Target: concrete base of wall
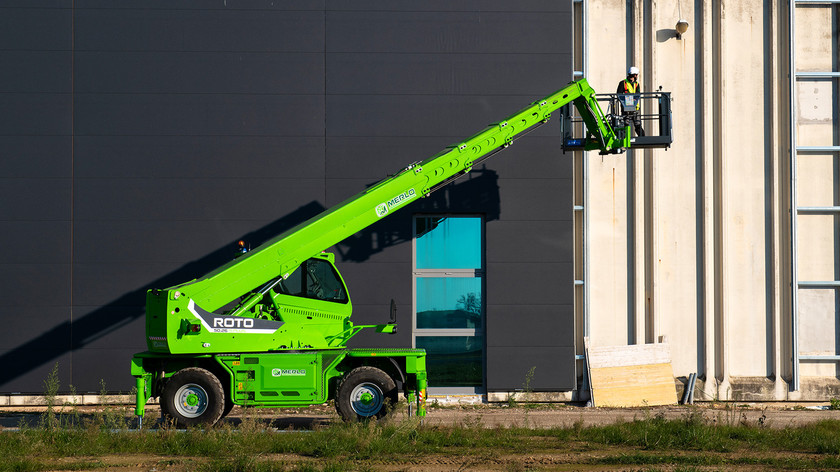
<point x="763" y="389"/>
<point x="41" y="400"/>
<point x="739" y="389"/>
<point x="535" y="397"/>
<point x="493" y="397"/>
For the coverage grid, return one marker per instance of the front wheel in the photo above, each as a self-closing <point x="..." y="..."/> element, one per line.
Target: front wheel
<point x="365" y="392"/>
<point x="193" y="396"/>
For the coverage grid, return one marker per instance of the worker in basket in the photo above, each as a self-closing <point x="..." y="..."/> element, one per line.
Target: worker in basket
<point x="628" y="93"/>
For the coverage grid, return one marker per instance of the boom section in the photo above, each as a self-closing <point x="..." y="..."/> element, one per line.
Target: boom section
<point x="281" y="255"/>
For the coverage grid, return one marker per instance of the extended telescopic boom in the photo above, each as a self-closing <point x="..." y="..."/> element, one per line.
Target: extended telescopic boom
<point x="278" y="257"/>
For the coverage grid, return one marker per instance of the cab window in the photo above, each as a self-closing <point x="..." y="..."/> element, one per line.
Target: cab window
<point x="315" y="279"/>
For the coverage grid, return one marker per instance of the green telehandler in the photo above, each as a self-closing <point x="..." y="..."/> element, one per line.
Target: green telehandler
<point x="270" y="328"/>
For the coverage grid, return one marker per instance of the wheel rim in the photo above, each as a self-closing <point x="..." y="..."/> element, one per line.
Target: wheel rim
<point x="191" y="400"/>
<point x="366" y="399"/>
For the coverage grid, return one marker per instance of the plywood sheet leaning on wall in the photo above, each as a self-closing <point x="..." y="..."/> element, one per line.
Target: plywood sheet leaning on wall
<point x="636" y="375"/>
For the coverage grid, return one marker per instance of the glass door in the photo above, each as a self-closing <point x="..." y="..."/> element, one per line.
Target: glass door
<point x="449" y="301"/>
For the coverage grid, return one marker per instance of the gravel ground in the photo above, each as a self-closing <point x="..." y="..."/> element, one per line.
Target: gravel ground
<point x="775" y="415"/>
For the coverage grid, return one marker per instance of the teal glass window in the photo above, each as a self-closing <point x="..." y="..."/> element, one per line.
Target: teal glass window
<point x="448" y="243"/>
<point x="454" y="361"/>
<point x="449" y="302"/>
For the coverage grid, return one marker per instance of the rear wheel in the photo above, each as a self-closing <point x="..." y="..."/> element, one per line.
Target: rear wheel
<point x="193" y="396"/>
<point x="228" y="407"/>
<point x="365" y="392"/>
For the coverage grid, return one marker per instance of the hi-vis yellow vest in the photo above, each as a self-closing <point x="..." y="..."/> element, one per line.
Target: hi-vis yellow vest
<point x="630" y="87"/>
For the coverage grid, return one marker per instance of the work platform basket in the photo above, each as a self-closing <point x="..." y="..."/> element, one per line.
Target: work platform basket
<point x="653" y="109"/>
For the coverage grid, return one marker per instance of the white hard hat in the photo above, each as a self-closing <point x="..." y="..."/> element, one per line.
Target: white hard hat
<point x="633" y="71"/>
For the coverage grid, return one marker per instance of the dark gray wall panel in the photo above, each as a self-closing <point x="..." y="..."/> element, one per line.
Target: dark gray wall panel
<point x="339" y="190"/>
<point x="199" y="72"/>
<point x="199" y="115"/>
<point x="199" y="157"/>
<point x="384" y="242"/>
<point x="35" y="114"/>
<point x="25" y="371"/>
<point x="372" y="159"/>
<point x="453" y="118"/>
<point x="534" y="157"/>
<point x="209" y="199"/>
<point x="445" y="32"/>
<point x="110" y="369"/>
<point x="548" y="326"/>
<point x="35" y="71"/>
<point x="361" y="73"/>
<point x="41" y="29"/>
<point x="67" y="4"/>
<point x="549" y="6"/>
<point x="554" y="367"/>
<point x="41" y="325"/>
<point x="49" y="198"/>
<point x="35" y="242"/>
<point x="168" y="242"/>
<point x="118" y="285"/>
<point x="529" y="241"/>
<point x="226" y="5"/>
<point x="529" y="283"/>
<point x="35" y="157"/>
<point x="536" y="199"/>
<point x="108" y="328"/>
<point x="199" y="30"/>
<point x="35" y="285"/>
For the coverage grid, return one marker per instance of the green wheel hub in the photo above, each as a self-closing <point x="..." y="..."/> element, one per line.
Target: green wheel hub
<point x="367" y="399"/>
<point x="191" y="400"/>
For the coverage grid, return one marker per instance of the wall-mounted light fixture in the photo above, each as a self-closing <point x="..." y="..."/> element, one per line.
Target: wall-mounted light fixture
<point x="682" y="27"/>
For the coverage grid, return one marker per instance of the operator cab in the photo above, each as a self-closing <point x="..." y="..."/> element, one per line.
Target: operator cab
<point x="313" y="304"/>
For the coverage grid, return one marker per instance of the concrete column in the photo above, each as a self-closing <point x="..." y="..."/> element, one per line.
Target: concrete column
<point x="706" y="130"/>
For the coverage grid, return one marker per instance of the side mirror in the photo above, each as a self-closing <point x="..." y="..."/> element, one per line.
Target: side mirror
<point x="393" y="312"/>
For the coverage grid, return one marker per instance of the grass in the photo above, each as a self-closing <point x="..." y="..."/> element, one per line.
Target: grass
<point x="689" y="442"/>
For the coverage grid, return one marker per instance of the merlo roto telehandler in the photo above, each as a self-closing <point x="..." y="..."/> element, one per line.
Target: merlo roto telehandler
<point x="270" y="328"/>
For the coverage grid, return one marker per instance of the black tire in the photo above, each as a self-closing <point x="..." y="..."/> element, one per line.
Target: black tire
<point x="228" y="406"/>
<point x="193" y="396"/>
<point x="365" y="392"/>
